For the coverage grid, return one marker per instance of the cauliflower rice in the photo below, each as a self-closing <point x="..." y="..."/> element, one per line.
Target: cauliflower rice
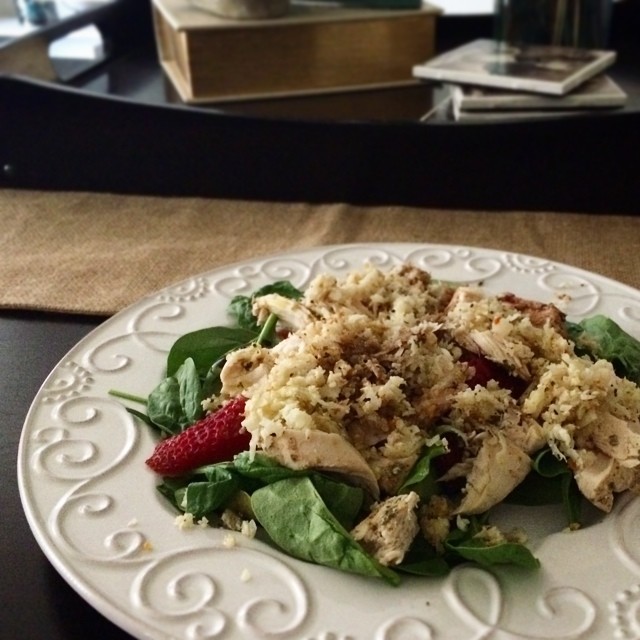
<point x="385" y="361"/>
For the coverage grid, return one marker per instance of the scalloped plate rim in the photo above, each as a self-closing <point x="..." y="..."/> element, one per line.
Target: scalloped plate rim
<point x="116" y="614"/>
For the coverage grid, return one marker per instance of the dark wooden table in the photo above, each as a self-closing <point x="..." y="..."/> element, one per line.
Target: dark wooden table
<point x="71" y="137"/>
<point x="37" y="604"/>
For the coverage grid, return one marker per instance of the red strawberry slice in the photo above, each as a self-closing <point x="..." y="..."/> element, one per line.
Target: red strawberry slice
<point x="215" y="438"/>
<point x="486" y="370"/>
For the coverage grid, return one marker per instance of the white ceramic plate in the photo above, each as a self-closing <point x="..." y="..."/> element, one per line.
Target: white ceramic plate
<point x="93" y="508"/>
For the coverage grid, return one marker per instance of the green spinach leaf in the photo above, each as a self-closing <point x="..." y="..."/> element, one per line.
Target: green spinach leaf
<point x="240" y="308"/>
<point x="173" y="490"/>
<point x="421" y="479"/>
<point x="263" y="468"/>
<point x="601" y="337"/>
<point x="175" y="403"/>
<point x="466" y="544"/>
<point x="202" y="498"/>
<point x="478" y="551"/>
<point x="190" y="391"/>
<point x="206" y="347"/>
<point x="296" y="518"/>
<point x="536" y="490"/>
<point x="144" y="417"/>
<point x="552" y="468"/>
<point x="423" y="560"/>
<point x="164" y="408"/>
<point x="201" y="493"/>
<point x="343" y="500"/>
<point x="550" y="481"/>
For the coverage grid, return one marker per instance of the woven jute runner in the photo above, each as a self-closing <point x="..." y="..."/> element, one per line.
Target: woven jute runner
<point x="97" y="253"/>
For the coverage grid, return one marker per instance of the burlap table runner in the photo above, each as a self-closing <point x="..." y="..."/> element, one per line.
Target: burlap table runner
<point x="96" y="253"/>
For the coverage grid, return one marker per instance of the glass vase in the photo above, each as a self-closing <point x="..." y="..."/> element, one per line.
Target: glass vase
<point x="571" y="23"/>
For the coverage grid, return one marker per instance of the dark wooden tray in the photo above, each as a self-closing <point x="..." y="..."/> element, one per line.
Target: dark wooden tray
<point x="119" y="127"/>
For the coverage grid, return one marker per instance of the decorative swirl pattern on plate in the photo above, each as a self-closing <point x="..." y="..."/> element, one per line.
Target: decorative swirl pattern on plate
<point x="58" y="450"/>
<point x="624" y="531"/>
<point x="108" y="356"/>
<point x="142" y="333"/>
<point x="330" y="635"/>
<point x="245" y="279"/>
<point x="186" y="291"/>
<point x="518" y="263"/>
<point x="148" y="319"/>
<point x="441" y="261"/>
<point x="405" y="628"/>
<point x="70" y="380"/>
<point x="631" y="311"/>
<point x="629" y="314"/>
<point x="67" y="449"/>
<point x="80" y="522"/>
<point x="486" y="620"/>
<point x="625" y="614"/>
<point x="73" y="450"/>
<point x="577" y="295"/>
<point x="479" y="269"/>
<point x="340" y="260"/>
<point x="434" y="258"/>
<point x="185" y="588"/>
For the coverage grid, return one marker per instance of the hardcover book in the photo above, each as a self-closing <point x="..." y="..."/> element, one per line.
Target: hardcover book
<point x="315" y="48"/>
<point x="536" y="68"/>
<point x="598" y="92"/>
<point x="509" y="116"/>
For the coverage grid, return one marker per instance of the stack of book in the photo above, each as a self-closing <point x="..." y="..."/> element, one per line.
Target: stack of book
<point x="317" y="47"/>
<point x="493" y="81"/>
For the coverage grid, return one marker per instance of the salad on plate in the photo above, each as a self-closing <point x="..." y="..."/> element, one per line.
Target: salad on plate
<point x="372" y="423"/>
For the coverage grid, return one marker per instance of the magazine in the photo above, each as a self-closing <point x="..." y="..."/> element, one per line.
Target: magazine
<point x="511" y="116"/>
<point x="598" y="92"/>
<point x="445" y="111"/>
<point x="538" y="68"/>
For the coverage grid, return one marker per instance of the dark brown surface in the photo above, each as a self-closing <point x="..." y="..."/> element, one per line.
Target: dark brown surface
<point x="36" y="602"/>
<point x="120" y="128"/>
<point x="73" y="138"/>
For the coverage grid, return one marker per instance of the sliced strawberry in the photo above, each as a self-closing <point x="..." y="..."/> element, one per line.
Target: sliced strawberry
<point x="215" y="438"/>
<point x="486" y="370"/>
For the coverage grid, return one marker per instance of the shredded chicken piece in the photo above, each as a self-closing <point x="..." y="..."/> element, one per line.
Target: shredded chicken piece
<point x="619" y="439"/>
<point x="310" y="449"/>
<point x="387" y="532"/>
<point x="498" y="468"/>
<point x="539" y="313"/>
<point x="499" y="349"/>
<point x="600" y="477"/>
<point x="290" y="312"/>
